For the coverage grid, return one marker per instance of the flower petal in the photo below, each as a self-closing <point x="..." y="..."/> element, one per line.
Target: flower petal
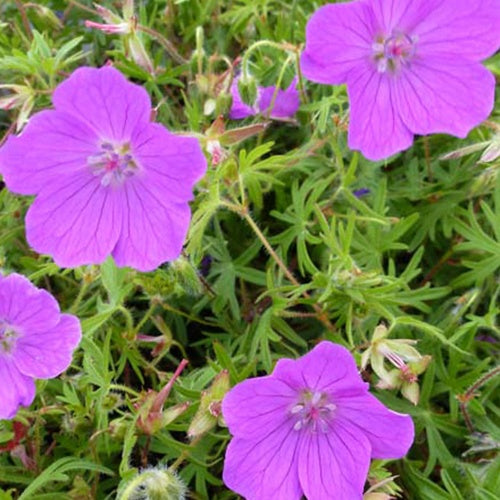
<point x="239" y="109"/>
<point x="47" y="353"/>
<point x="328" y="367"/>
<point x="257" y="405"/>
<point x="76" y="220"/>
<point x="444" y="95"/>
<point x="334" y="464"/>
<point x="172" y="164"/>
<point x="106" y="101"/>
<point x="375" y="127"/>
<point x="53" y="145"/>
<point x="391" y="434"/>
<point x="463" y="28"/>
<point x="15" y="390"/>
<point x="264" y="468"/>
<point x="338" y="37"/>
<point x="25" y="306"/>
<point x="286" y="104"/>
<point x="153" y="227"/>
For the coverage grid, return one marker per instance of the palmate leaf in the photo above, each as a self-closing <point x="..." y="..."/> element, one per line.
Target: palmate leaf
<point x="481" y="243"/>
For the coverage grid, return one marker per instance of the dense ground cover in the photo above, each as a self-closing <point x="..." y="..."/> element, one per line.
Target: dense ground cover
<point x="294" y="239"/>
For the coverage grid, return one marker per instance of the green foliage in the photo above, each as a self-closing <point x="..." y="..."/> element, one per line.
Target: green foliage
<point x="282" y="251"/>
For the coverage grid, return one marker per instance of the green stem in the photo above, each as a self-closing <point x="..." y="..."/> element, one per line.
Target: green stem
<point x="79" y="298"/>
<point x="166" y="44"/>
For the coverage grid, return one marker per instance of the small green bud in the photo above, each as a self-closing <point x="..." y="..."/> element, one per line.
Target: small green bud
<point x="411" y="391"/>
<point x="209" y="412"/>
<point x="154" y="484"/>
<point x="137" y="52"/>
<point x="223" y="103"/>
<point x="247" y="88"/>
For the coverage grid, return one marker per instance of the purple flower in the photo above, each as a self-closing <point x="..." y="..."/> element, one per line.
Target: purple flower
<point x="286" y="104"/>
<point x="411" y="66"/>
<point x="309" y="429"/>
<point x="36" y="341"/>
<point x="107" y="180"/>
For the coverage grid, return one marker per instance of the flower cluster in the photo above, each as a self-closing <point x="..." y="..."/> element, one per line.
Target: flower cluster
<point x="36" y="341"/>
<point x="309" y="429"/>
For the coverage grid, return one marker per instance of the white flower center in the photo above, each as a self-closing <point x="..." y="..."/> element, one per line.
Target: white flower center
<point x="114" y="164"/>
<point x="313" y="411"/>
<point x="8" y="336"/>
<point x="394" y="52"/>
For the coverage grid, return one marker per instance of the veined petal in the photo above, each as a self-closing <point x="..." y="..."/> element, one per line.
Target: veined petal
<point x="338" y="37"/>
<point x="327" y="368"/>
<point x="153" y="227"/>
<point x="48" y="352"/>
<point x="375" y="126"/>
<point x="390" y="434"/>
<point x="285" y="105"/>
<point x="53" y="145"/>
<point x="258" y="405"/>
<point x="334" y="464"/>
<point x="172" y="164"/>
<point x="25" y="306"/>
<point x="106" y="101"/>
<point x="462" y="28"/>
<point x="444" y="95"/>
<point x="15" y="390"/>
<point x="76" y="220"/>
<point x="266" y="467"/>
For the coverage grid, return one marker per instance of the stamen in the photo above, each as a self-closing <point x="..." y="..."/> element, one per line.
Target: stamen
<point x="114" y="164"/>
<point x="8" y="336"/>
<point x="313" y="411"/>
<point x="393" y="52"/>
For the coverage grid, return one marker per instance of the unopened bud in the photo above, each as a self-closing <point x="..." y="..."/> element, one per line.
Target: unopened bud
<point x="210" y="410"/>
<point x="154" y="484"/>
<point x="411" y="391"/>
<point x="138" y="52"/>
<point x="247" y="88"/>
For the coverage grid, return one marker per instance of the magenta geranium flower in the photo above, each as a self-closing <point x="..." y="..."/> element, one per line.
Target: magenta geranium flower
<point x="36" y="341"/>
<point x="286" y="104"/>
<point x="309" y="429"/>
<point x="411" y="66"/>
<point x="107" y="181"/>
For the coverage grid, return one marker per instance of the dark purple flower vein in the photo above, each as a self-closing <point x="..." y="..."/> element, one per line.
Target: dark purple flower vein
<point x="449" y="21"/>
<point x="145" y="212"/>
<point x="38" y="310"/>
<point x="76" y="191"/>
<point x="353" y="458"/>
<point x="417" y="97"/>
<point x="126" y="118"/>
<point x="366" y="430"/>
<point x="79" y="217"/>
<point x="441" y="95"/>
<point x="268" y="450"/>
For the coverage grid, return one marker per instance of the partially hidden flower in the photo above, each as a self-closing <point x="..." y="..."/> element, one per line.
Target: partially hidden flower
<point x="36" y="341"/>
<point x="310" y="428"/>
<point x="408" y="363"/>
<point x="107" y="181"/>
<point x="411" y="66"/>
<point x="125" y="25"/>
<point x="285" y="104"/>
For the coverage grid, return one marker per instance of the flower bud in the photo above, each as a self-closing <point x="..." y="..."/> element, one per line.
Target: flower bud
<point x="411" y="391"/>
<point x="209" y="411"/>
<point x="154" y="484"/>
<point x="247" y="88"/>
<point x="137" y="52"/>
